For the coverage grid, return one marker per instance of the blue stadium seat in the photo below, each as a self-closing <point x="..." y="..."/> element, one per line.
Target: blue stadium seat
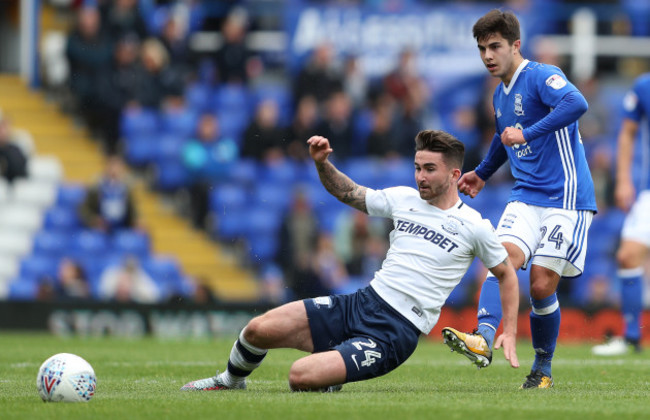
<point x="70" y="195"/>
<point x="198" y="96"/>
<point x="231" y="97"/>
<point x="329" y="215"/>
<point x="61" y="218"/>
<point x="136" y="122"/>
<point x="263" y="248"/>
<point x="230" y="225"/>
<point x="23" y="289"/>
<point x="283" y="172"/>
<point x="179" y="122"/>
<point x="169" y="147"/>
<point x="244" y="172"/>
<point x="87" y="243"/>
<point x="362" y="123"/>
<point x="165" y="271"/>
<point x="397" y="172"/>
<point x="37" y="266"/>
<point x="262" y="220"/>
<point x="227" y="197"/>
<point x="140" y="150"/>
<point x="364" y="171"/>
<point x="51" y="243"/>
<point x="170" y="175"/>
<point x="271" y="195"/>
<point x="131" y="242"/>
<point x="233" y="122"/>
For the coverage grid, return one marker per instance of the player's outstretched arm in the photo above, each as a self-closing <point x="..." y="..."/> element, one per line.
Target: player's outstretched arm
<point x="336" y="182"/>
<point x="509" y="289"/>
<point x="470" y="184"/>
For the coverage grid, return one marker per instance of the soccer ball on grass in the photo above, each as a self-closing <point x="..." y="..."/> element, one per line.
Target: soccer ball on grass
<point x="66" y="377"/>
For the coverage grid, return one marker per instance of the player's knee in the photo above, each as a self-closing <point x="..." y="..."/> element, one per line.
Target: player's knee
<point x="300" y="377"/>
<point x="254" y="331"/>
<point x="540" y="290"/>
<point x="627" y="259"/>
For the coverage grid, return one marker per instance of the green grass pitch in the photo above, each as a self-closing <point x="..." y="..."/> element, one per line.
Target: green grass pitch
<point x="140" y="379"/>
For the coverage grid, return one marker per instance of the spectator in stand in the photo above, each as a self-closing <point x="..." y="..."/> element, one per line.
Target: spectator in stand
<point x="354" y="236"/>
<point x="13" y="160"/>
<point x="127" y="282"/>
<point x="89" y="52"/>
<point x="235" y="62"/>
<point x="329" y="268"/>
<point x="302" y="127"/>
<point x="355" y="82"/>
<point x="320" y="77"/>
<point x="157" y="80"/>
<point x="298" y="235"/>
<point x="109" y="204"/>
<point x="174" y="37"/>
<point x="122" y="18"/>
<point x="264" y="139"/>
<point x="411" y="92"/>
<point x="382" y="141"/>
<point x="117" y="87"/>
<point x="68" y="284"/>
<point x="337" y="124"/>
<point x="208" y="158"/>
<point x="71" y="282"/>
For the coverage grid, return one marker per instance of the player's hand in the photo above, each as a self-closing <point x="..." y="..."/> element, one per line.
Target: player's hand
<point x="624" y="194"/>
<point x="470" y="184"/>
<point x="319" y="148"/>
<point x="509" y="344"/>
<point x="512" y="136"/>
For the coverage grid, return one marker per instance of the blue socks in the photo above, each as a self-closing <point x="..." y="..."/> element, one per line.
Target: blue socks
<point x="632" y="301"/>
<point x="545" y="328"/>
<point x="489" y="309"/>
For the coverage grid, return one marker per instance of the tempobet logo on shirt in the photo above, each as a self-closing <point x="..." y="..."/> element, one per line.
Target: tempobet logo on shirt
<point x="428" y="234"/>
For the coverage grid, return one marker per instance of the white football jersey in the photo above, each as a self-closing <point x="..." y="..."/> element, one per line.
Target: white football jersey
<point x="430" y="251"/>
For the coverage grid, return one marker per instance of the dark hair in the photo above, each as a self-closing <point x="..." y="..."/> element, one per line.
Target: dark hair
<point x="452" y="149"/>
<point x="496" y="21"/>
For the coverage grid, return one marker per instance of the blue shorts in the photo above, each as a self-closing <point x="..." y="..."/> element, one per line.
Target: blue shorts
<point x="371" y="336"/>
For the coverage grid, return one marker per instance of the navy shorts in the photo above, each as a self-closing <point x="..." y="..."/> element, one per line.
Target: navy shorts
<point x="371" y="336"/>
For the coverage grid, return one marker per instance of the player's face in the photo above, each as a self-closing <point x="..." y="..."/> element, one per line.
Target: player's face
<point x="432" y="175"/>
<point x="499" y="56"/>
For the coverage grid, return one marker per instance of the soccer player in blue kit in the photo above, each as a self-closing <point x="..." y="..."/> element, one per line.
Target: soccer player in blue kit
<point x="369" y="333"/>
<point x="635" y="235"/>
<point x="544" y="225"/>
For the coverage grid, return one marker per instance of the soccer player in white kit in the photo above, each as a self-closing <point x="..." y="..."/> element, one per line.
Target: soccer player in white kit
<point x="635" y="236"/>
<point x="552" y="202"/>
<point x="367" y="334"/>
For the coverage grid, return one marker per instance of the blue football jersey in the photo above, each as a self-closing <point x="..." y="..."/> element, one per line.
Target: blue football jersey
<point x="551" y="170"/>
<point x="636" y="106"/>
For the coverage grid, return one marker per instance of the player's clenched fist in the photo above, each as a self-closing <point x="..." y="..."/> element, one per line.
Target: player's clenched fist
<point x="319" y="148"/>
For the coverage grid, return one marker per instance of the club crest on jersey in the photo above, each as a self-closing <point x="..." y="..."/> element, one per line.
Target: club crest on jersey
<point x="519" y="106"/>
<point x="556" y="82"/>
<point x="452" y="225"/>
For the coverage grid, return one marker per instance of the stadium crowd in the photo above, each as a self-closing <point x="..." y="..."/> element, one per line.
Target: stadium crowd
<point x="224" y="133"/>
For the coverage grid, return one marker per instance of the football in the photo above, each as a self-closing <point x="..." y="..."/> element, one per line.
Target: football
<point x="66" y="377"/>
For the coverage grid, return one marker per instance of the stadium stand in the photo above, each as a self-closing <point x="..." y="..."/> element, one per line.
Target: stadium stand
<point x="51" y="205"/>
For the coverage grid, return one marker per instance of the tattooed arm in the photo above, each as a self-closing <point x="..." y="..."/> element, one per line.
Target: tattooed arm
<point x="336" y="182"/>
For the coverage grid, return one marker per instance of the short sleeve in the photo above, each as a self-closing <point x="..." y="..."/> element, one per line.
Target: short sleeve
<point x="377" y="203"/>
<point x="488" y="247"/>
